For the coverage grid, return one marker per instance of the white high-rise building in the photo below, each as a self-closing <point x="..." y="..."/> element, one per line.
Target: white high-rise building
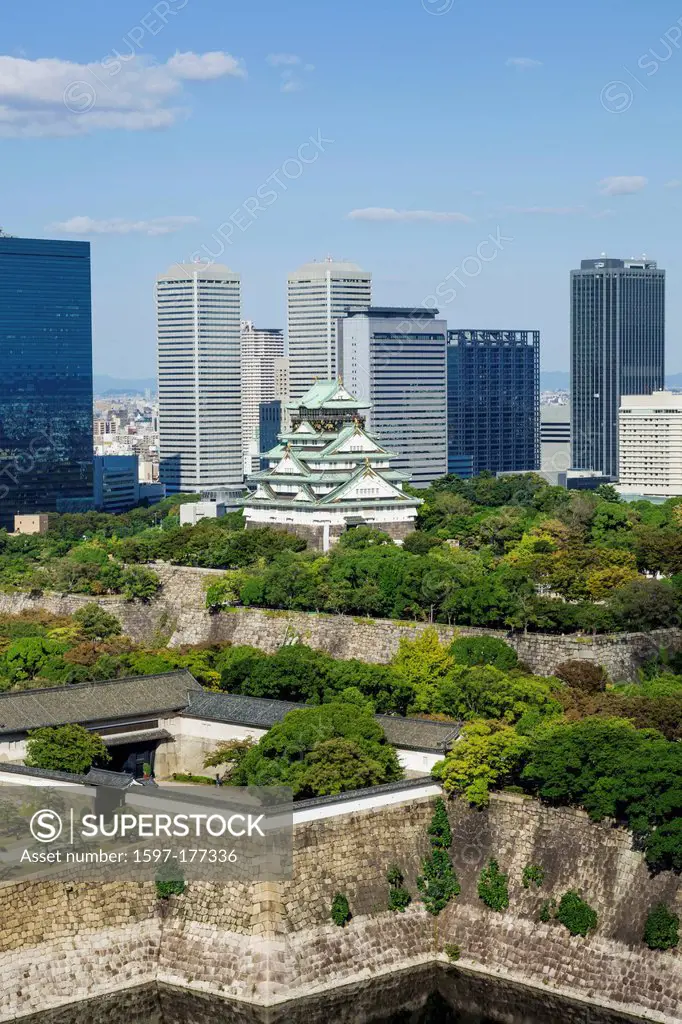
<point x="261" y="348"/>
<point x="198" y="318"/>
<point x="318" y="294"/>
<point x="650" y="445"/>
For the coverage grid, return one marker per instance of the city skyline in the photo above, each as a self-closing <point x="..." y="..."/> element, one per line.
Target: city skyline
<point x="591" y="161"/>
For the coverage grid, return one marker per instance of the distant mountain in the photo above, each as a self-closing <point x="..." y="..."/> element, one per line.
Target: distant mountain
<point x="674" y="380"/>
<point x="110" y="387"/>
<point x="555" y="380"/>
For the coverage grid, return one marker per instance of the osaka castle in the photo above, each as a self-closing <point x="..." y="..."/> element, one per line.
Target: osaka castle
<point x="329" y="474"/>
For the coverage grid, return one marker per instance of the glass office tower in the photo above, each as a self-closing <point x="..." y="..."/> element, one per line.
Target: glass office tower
<point x="493" y="401"/>
<point x="617" y="348"/>
<point x="46" y="379"/>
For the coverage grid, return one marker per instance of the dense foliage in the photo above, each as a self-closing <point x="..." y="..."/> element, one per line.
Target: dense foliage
<point x="65" y="748"/>
<point x="438" y="882"/>
<point x="575" y="914"/>
<point x="662" y="928"/>
<point x="533" y="875"/>
<point x="340" y="910"/>
<point x="320" y="751"/>
<point x="493" y="887"/>
<point x="509" y="553"/>
<point x="398" y="896"/>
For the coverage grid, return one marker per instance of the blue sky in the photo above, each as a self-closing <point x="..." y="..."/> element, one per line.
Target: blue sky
<point x="146" y="126"/>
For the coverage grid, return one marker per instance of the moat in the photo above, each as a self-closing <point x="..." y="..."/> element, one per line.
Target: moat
<point x="428" y="996"/>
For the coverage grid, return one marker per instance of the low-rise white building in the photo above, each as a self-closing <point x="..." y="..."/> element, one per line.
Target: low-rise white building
<point x="650" y="445"/>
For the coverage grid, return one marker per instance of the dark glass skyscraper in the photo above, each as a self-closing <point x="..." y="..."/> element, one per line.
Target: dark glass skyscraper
<point x="617" y="348"/>
<point x="493" y="401"/>
<point x="46" y="378"/>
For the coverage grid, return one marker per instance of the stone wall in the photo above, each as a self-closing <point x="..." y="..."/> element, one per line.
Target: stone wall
<point x="179" y="616"/>
<point x="269" y="942"/>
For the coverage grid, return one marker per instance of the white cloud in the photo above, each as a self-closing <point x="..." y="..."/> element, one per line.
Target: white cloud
<point x="118" y="226"/>
<point x="523" y="62"/>
<point x="622" y="185"/>
<point x="675" y="183"/>
<point x="52" y="97"/>
<point x="380" y="213"/>
<point x="558" y="211"/>
<point x="278" y="60"/>
<point x="603" y="214"/>
<point x="199" y="67"/>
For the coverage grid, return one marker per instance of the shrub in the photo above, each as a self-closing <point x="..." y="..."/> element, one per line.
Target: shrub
<point x="438" y="884"/>
<point x="483" y="650"/>
<point x="399" y="899"/>
<point x="398" y="896"/>
<point x="96" y="623"/>
<point x="547" y="910"/>
<point x="65" y="748"/>
<point x="196" y="780"/>
<point x="452" y="951"/>
<point x="340" y="910"/>
<point x="493" y="887"/>
<point x="582" y="675"/>
<point x="167" y="887"/>
<point x="577" y="915"/>
<point x="662" y="928"/>
<point x="533" y="874"/>
<point x="439" y="830"/>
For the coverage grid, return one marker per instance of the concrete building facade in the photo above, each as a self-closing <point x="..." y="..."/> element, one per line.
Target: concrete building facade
<point x="199" y="357"/>
<point x="650" y="445"/>
<point x="260" y="350"/>
<point x="317" y="295"/>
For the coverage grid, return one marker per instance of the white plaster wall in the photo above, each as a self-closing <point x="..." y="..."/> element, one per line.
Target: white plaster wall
<point x="13" y="752"/>
<point x="417" y="760"/>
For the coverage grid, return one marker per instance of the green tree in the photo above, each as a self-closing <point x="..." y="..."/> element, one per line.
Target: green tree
<point x="645" y="604"/>
<point x="290" y="755"/>
<point x="489" y="755"/>
<point x="25" y="658"/>
<point x="337" y="765"/>
<point x="95" y="623"/>
<point x="423" y="663"/>
<point x="485" y="692"/>
<point x="65" y="748"/>
<point x="140" y="584"/>
<point x="483" y="650"/>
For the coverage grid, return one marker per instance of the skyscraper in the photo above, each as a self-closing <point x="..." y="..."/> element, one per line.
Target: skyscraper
<point x="46" y="386"/>
<point x="395" y="360"/>
<point x="261" y="347"/>
<point x="617" y="348"/>
<point x="319" y="293"/>
<point x="198" y="321"/>
<point x="493" y="401"/>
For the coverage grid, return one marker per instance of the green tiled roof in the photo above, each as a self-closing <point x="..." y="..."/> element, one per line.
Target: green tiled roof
<point x="321" y="394"/>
